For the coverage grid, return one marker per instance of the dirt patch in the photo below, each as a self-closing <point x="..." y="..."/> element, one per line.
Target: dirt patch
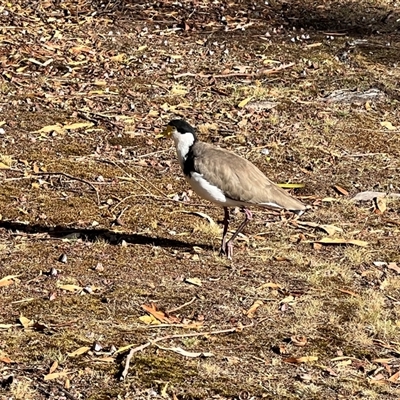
<point x="85" y="89"/>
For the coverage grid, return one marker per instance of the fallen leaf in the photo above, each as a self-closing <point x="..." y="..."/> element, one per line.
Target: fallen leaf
<point x="80" y="351"/>
<point x="4" y="166"/>
<point x="393" y="266"/>
<point x="299" y="341"/>
<point x="251" y="311"/>
<point x="55" y="375"/>
<point x="5" y="359"/>
<point x="299" y="360"/>
<point x="288" y="299"/>
<point x="70" y="288"/>
<point x="185" y="353"/>
<point x="342" y="191"/>
<point x="106" y="359"/>
<point x="51" y="128"/>
<point x="395" y="377"/>
<point x="329" y="229"/>
<point x="383" y="360"/>
<point x="25" y="322"/>
<point x="118" y="58"/>
<point x="388" y="125"/>
<point x="178" y="90"/>
<point x="151" y="309"/>
<point x="291" y="185"/>
<point x="348" y="292"/>
<point x="244" y="102"/>
<point x="317" y="246"/>
<point x="380" y="203"/>
<point x="53" y="367"/>
<point x="8" y="280"/>
<point x="270" y="285"/>
<point x="124" y="348"/>
<point x="6" y="326"/>
<point x="194" y="281"/>
<point x="149" y="320"/>
<point x="78" y="125"/>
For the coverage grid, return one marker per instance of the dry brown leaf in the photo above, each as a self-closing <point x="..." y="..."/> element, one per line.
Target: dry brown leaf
<point x="55" y="375"/>
<point x="151" y="309"/>
<point x="5" y="359"/>
<point x="380" y="203"/>
<point x="299" y="341"/>
<point x="348" y="292"/>
<point x="53" y="367"/>
<point x="270" y="285"/>
<point x="71" y="288"/>
<point x="251" y="311"/>
<point x="194" y="281"/>
<point x="178" y="90"/>
<point x="185" y="353"/>
<point x="51" y="128"/>
<point x="244" y="102"/>
<point x="395" y="377"/>
<point x="393" y="266"/>
<point x="6" y="326"/>
<point x="299" y="360"/>
<point x="383" y="360"/>
<point x="78" y="125"/>
<point x="26" y="322"/>
<point x="149" y="320"/>
<point x="288" y="299"/>
<point x="388" y="125"/>
<point x="8" y="280"/>
<point x="118" y="58"/>
<point x="106" y="359"/>
<point x="4" y="166"/>
<point x="329" y="229"/>
<point x="341" y="190"/>
<point x="80" y="351"/>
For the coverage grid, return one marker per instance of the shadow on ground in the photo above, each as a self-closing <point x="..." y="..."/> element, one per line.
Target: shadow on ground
<point x="93" y="235"/>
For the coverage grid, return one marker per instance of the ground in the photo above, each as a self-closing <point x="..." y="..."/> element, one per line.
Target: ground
<point x="104" y="248"/>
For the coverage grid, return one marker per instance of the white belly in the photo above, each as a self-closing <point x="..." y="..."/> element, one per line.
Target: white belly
<point x="210" y="192"/>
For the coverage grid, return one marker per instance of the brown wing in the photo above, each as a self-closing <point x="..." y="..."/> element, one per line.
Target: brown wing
<point x="239" y="179"/>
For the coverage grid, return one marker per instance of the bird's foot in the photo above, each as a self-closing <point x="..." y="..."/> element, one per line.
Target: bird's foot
<point x="227" y="250"/>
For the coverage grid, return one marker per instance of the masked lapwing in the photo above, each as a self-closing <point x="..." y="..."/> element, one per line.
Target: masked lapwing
<point x="226" y="179"/>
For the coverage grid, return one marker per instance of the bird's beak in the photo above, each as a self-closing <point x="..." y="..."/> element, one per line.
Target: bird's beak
<point x="167" y="132"/>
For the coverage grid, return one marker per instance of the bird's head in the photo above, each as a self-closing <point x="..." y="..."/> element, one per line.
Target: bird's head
<point x="178" y="128"/>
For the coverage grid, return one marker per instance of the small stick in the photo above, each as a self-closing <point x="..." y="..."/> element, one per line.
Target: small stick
<point x="145" y="345"/>
<point x="74" y="178"/>
<point x="182" y="306"/>
<point x="238" y="74"/>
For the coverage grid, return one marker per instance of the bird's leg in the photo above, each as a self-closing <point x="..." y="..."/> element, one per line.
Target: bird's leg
<point x="229" y="245"/>
<point x="226" y="224"/>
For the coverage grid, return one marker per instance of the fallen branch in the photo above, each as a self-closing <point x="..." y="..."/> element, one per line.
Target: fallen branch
<point x="182" y="306"/>
<point x="263" y="72"/>
<point x="160" y="339"/>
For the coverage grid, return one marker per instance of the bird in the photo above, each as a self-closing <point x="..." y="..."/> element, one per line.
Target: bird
<point x="226" y="179"/>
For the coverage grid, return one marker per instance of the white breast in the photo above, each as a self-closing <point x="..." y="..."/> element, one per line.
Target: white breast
<point x="209" y="192"/>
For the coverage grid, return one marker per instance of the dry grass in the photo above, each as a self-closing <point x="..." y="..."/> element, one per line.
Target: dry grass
<point x="139" y="247"/>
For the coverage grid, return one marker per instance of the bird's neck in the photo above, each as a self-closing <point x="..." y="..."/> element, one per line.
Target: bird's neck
<point x="183" y="143"/>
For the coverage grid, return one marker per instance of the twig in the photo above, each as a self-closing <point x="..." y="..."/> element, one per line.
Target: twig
<point x="145" y="345"/>
<point x="74" y="178"/>
<point x="261" y="73"/>
<point x="182" y="306"/>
